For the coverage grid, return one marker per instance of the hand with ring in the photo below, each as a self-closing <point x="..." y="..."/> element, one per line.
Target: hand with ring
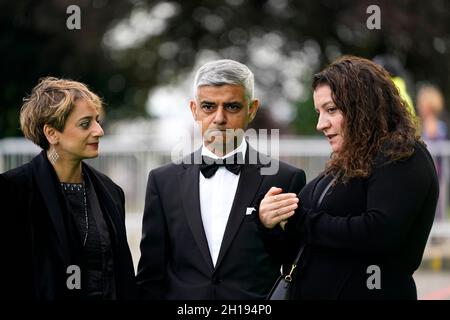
<point x="277" y="207"/>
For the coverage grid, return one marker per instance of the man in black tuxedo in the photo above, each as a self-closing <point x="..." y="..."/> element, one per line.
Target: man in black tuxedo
<point x="201" y="236"/>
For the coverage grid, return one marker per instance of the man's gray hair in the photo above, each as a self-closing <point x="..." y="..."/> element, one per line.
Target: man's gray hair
<point x="225" y="71"/>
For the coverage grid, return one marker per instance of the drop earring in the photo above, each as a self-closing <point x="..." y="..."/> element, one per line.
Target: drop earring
<point x="53" y="156"/>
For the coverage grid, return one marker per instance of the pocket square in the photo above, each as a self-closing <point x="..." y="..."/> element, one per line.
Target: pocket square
<point x="249" y="211"/>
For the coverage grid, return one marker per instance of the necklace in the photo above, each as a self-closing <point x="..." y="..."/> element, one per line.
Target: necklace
<point x="80" y="187"/>
<point x="85" y="212"/>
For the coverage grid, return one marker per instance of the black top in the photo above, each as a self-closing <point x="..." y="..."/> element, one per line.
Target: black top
<point x="41" y="242"/>
<point x="383" y="220"/>
<point x="97" y="270"/>
<point x="76" y="197"/>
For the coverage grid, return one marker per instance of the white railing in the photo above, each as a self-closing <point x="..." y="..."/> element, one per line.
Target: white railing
<point x="128" y="160"/>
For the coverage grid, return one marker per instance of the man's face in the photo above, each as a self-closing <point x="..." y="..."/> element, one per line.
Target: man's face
<point x="220" y="111"/>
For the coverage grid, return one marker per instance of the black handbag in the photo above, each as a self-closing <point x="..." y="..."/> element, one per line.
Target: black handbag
<point x="281" y="290"/>
<point x="282" y="287"/>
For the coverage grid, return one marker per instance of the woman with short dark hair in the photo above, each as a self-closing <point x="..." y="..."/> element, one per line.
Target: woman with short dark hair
<point x="65" y="227"/>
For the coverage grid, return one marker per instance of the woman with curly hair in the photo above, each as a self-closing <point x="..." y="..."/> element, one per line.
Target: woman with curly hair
<point x="364" y="222"/>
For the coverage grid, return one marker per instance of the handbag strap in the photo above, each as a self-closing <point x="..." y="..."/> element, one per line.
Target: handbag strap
<point x="288" y="277"/>
<point x="324" y="192"/>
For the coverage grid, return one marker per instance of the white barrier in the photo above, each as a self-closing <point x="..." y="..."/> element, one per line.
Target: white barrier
<point x="128" y="160"/>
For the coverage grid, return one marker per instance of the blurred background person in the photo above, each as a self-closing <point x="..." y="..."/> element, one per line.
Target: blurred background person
<point x="430" y="104"/>
<point x="398" y="75"/>
<point x="65" y="228"/>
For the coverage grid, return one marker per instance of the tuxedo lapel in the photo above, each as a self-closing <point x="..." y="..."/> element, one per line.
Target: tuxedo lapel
<point x="249" y="182"/>
<point x="189" y="183"/>
<point x="46" y="180"/>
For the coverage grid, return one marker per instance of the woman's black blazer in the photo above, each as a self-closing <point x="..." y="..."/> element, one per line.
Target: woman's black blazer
<point x="37" y="239"/>
<point x="366" y="238"/>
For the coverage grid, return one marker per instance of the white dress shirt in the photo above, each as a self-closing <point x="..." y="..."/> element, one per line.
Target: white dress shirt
<point x="216" y="199"/>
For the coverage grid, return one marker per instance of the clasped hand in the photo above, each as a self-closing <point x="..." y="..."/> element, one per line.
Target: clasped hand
<point x="277" y="207"/>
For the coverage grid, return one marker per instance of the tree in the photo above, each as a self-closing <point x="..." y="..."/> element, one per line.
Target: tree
<point x="123" y="50"/>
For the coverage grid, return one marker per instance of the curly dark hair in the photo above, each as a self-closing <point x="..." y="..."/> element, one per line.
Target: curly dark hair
<point x="376" y="118"/>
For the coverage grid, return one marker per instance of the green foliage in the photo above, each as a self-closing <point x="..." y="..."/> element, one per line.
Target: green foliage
<point x="35" y="42"/>
<point x="306" y="118"/>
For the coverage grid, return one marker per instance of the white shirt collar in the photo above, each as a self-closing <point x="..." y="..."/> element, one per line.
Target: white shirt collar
<point x="242" y="149"/>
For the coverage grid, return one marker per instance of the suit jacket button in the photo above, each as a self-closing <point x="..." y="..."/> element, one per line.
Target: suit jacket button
<point x="216" y="280"/>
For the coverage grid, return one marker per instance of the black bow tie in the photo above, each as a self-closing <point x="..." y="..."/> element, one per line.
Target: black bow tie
<point x="233" y="164"/>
